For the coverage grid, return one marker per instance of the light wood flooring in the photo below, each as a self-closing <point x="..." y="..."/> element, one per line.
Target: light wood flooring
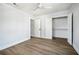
<point x="36" y="46"/>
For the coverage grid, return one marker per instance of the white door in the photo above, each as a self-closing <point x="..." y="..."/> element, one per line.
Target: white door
<point x="37" y="28"/>
<point x="32" y="27"/>
<point x="70" y="30"/>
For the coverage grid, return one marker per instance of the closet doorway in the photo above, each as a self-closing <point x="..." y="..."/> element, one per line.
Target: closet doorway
<point x="62" y="27"/>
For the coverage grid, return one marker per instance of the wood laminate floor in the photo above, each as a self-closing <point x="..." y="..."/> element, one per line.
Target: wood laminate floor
<point x="36" y="46"/>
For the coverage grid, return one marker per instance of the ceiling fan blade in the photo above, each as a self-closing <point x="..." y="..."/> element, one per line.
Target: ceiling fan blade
<point x="37" y="7"/>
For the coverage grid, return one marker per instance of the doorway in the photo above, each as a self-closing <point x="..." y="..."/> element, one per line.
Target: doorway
<point x="35" y="28"/>
<point x="62" y="27"/>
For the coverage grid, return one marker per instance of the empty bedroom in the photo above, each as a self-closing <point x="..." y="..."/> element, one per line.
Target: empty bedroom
<point x="39" y="28"/>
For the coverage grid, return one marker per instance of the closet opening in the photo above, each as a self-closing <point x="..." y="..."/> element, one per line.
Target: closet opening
<point x="62" y="28"/>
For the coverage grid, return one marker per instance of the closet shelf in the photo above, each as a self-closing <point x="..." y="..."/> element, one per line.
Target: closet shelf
<point x="60" y="28"/>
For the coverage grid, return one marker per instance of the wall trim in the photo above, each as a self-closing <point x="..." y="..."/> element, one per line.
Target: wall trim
<point x="76" y="48"/>
<point x="59" y="38"/>
<point x="48" y="38"/>
<point x="39" y="37"/>
<point x="13" y="44"/>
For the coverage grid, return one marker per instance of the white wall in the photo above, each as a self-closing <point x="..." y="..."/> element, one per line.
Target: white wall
<point x="75" y="10"/>
<point x="14" y="26"/>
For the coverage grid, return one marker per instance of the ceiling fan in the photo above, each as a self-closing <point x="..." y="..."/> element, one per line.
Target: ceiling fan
<point x="12" y="4"/>
<point x="41" y="6"/>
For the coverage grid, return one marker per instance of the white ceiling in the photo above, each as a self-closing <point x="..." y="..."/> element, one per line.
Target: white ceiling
<point x="42" y="8"/>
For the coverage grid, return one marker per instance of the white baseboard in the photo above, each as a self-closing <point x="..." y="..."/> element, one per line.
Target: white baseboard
<point x="42" y="37"/>
<point x="76" y="48"/>
<point x="14" y="43"/>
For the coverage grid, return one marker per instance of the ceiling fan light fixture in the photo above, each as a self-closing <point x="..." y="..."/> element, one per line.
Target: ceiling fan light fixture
<point x="14" y="3"/>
